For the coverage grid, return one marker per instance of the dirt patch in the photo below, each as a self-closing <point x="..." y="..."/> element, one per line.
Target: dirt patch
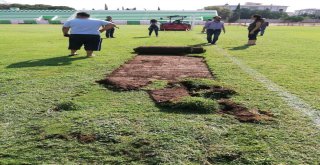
<point x="242" y="113"/>
<point x="142" y="70"/>
<point x="82" y="138"/>
<point x="140" y="143"/>
<point x="189" y="87"/>
<point x="169" y="50"/>
<point x="167" y="95"/>
<point x="200" y="89"/>
<point x="67" y="106"/>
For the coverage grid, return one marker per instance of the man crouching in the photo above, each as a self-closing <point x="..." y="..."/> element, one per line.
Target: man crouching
<point x="85" y="31"/>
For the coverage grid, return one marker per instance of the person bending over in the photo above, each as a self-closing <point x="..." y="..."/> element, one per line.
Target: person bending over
<point x="264" y="27"/>
<point x="153" y="27"/>
<point x="254" y="29"/>
<point x="110" y="32"/>
<point x="85" y="31"/>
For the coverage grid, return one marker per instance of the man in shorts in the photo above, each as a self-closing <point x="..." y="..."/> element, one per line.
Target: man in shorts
<point x="85" y="31"/>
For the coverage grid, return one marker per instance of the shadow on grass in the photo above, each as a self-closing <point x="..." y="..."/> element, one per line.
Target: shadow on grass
<point x="201" y="44"/>
<point x="167" y="109"/>
<point x="243" y="47"/>
<point x="56" y="61"/>
<point x="140" y="37"/>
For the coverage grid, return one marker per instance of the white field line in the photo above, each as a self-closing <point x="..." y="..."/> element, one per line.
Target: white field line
<point x="291" y="100"/>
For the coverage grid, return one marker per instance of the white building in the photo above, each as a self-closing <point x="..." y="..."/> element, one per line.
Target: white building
<point x="256" y="6"/>
<point x="308" y="12"/>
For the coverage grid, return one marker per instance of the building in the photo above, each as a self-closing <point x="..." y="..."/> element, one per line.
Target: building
<point x="124" y="17"/>
<point x="308" y="12"/>
<point x="257" y="6"/>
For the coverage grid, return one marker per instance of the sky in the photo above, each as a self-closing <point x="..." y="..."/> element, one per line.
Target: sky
<point x="166" y="4"/>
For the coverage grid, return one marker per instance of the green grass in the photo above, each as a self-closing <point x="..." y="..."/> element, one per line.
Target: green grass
<point x="36" y="76"/>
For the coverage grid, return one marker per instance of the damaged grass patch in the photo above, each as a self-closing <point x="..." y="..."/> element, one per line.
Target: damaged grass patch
<point x="67" y="106"/>
<point x="205" y="96"/>
<point x="195" y="104"/>
<point x="242" y="113"/>
<point x="81" y="138"/>
<point x="208" y="89"/>
<point x="143" y="70"/>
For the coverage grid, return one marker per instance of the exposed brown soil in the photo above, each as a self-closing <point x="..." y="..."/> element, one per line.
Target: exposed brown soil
<point x="169" y="50"/>
<point x="242" y="113"/>
<point x="82" y="138"/>
<point x="168" y="94"/>
<point x="144" y="69"/>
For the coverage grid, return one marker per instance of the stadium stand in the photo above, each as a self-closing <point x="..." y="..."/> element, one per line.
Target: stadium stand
<point x="130" y="17"/>
<point x="136" y="17"/>
<point x="34" y="16"/>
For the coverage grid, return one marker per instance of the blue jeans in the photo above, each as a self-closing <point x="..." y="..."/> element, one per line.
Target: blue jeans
<point x="215" y="33"/>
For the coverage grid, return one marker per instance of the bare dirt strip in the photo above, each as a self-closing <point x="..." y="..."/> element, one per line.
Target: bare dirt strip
<point x="143" y="69"/>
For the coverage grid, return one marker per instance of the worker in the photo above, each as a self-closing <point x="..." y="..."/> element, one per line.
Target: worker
<point x="254" y="29"/>
<point x="263" y="27"/>
<point x="204" y="27"/>
<point x="85" y="31"/>
<point x="214" y="29"/>
<point x="153" y="27"/>
<point x="110" y="32"/>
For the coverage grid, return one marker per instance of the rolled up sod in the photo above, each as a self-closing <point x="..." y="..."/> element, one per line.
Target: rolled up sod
<point x="168" y="50"/>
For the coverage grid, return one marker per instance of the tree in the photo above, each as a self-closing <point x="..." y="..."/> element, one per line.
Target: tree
<point x="159" y="8"/>
<point x="247" y="13"/>
<point x="106" y="7"/>
<point x="33" y="7"/>
<point x="235" y="14"/>
<point x="293" y="18"/>
<point x="223" y="12"/>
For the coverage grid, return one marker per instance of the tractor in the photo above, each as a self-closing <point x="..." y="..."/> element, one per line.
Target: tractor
<point x="176" y="25"/>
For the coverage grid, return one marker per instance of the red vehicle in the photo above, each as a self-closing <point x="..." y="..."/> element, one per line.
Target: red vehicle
<point x="177" y="25"/>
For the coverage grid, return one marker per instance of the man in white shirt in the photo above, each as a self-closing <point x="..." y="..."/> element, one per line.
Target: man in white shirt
<point x="85" y="31"/>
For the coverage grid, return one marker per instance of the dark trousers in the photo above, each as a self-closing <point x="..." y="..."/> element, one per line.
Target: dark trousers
<point x="262" y="31"/>
<point x="110" y="32"/>
<point x="153" y="28"/>
<point x="254" y="35"/>
<point x="215" y="33"/>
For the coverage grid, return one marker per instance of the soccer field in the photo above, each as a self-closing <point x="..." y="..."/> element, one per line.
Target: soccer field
<point x="36" y="75"/>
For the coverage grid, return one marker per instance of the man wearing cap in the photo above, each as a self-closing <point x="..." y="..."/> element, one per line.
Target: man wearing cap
<point x="214" y="29"/>
<point x="85" y="31"/>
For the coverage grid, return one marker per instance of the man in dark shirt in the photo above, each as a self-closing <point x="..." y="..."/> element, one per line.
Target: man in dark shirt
<point x="110" y="32"/>
<point x="263" y="27"/>
<point x="153" y="27"/>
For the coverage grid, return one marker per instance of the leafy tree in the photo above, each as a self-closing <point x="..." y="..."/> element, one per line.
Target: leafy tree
<point x="33" y="7"/>
<point x="106" y="7"/>
<point x="293" y="18"/>
<point x="223" y="12"/>
<point x="236" y="14"/>
<point x="247" y="13"/>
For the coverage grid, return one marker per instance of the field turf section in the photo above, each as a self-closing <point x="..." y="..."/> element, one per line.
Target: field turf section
<point x="102" y="126"/>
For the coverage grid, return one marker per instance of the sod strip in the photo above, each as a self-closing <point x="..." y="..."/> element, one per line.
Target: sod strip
<point x="291" y="100"/>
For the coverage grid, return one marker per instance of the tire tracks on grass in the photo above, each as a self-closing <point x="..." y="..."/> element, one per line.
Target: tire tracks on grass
<point x="291" y="100"/>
